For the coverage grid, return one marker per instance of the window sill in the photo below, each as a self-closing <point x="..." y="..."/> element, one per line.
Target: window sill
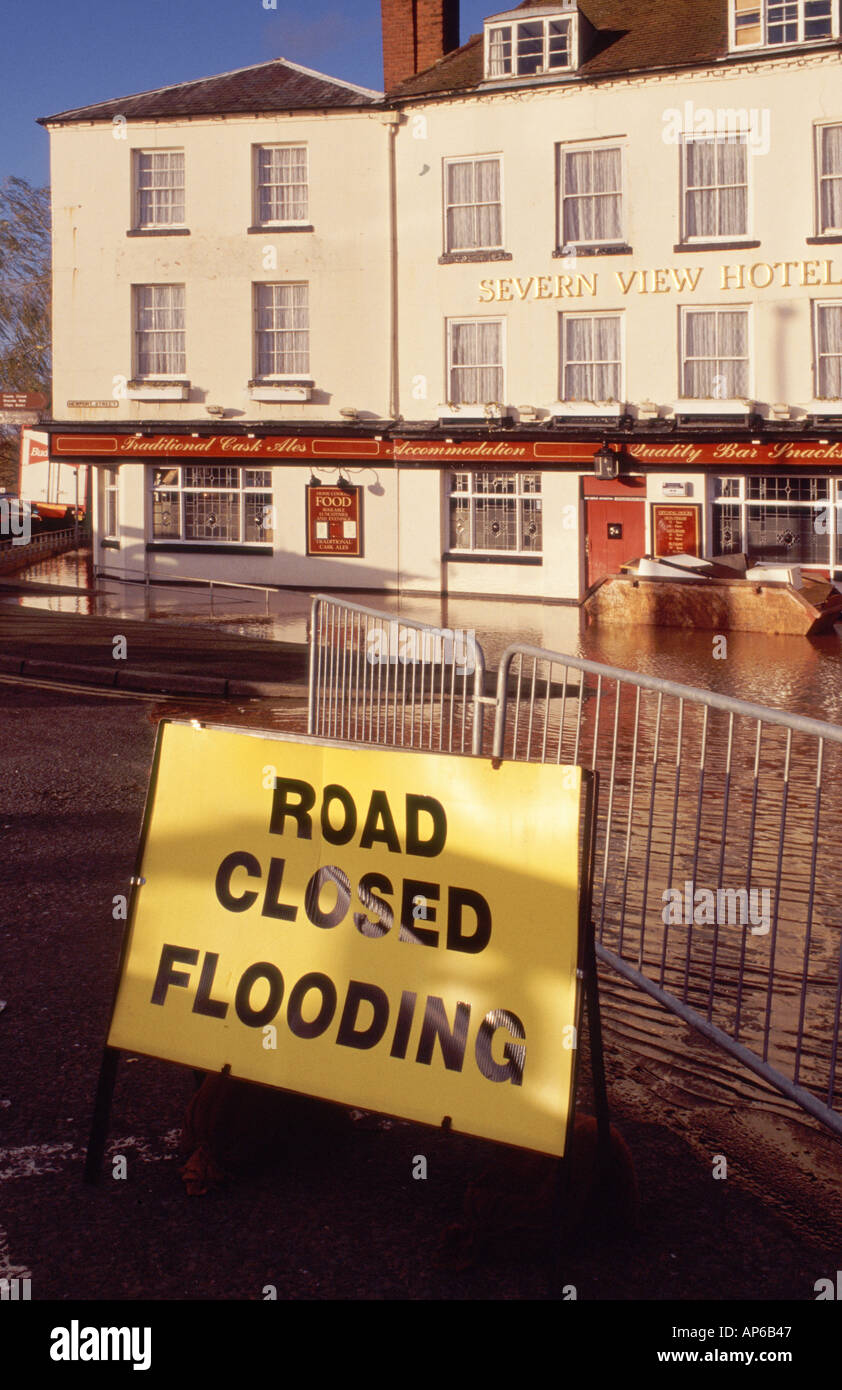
<point x="210" y="548"/>
<point x="615" y="249"/>
<point x="295" y="389"/>
<point x="159" y="231"/>
<point x="826" y="239"/>
<point x="473" y="257"/>
<point x="263" y="227"/>
<point x="504" y="558"/>
<point x="157" y="390"/>
<point x="716" y="246"/>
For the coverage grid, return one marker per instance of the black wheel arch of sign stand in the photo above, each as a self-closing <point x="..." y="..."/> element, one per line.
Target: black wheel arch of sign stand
<point x="411" y="931"/>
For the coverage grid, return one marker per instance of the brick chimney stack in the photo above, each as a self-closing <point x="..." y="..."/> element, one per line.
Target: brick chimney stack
<point x="416" y="33"/>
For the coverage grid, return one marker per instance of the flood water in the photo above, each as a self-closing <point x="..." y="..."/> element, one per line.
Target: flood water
<point x="799" y="674"/>
<point x="742" y="821"/>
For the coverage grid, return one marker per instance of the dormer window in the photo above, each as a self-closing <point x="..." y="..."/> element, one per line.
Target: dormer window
<point x="532" y="42"/>
<point x="771" y="23"/>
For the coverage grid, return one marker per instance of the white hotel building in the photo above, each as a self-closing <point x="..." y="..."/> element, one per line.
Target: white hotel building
<point x="569" y="294"/>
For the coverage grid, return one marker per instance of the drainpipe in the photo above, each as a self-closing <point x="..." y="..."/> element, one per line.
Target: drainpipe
<point x="392" y="120"/>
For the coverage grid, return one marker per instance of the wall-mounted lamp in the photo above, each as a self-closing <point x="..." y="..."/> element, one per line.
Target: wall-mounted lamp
<point x="606" y="464"/>
<point x="314" y="481"/>
<point x="345" y="483"/>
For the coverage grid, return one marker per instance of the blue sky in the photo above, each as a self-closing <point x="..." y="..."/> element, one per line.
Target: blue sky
<point x="64" y="53"/>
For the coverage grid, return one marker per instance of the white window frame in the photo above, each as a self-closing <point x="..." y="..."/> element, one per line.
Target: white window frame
<point x="818" y="305"/>
<point x="259" y="221"/>
<point x="472" y="495"/>
<point x="818" y="129"/>
<point x="449" y="325"/>
<point x="689" y="238"/>
<point x="246" y="491"/>
<point x="471" y="159"/>
<point x="137" y="331"/>
<point x="763" y="7"/>
<point x="563" y="319"/>
<point x="109" y="502"/>
<point x="588" y="147"/>
<point x="511" y="23"/>
<point x="304" y="375"/>
<point x="746" y="309"/>
<point x="138" y="222"/>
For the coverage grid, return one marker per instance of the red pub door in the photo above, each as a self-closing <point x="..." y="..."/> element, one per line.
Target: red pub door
<point x="615" y="524"/>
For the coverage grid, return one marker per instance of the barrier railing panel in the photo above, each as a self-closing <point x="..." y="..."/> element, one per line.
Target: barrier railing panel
<point x="380" y="678"/>
<point x="716" y="861"/>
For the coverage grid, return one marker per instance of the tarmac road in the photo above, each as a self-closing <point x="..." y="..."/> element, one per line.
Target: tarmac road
<point x="333" y="1211"/>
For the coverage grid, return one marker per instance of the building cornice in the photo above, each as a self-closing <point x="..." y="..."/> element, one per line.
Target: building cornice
<point x="731" y="66"/>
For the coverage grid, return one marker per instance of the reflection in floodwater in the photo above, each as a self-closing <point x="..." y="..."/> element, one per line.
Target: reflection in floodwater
<point x="798" y="674"/>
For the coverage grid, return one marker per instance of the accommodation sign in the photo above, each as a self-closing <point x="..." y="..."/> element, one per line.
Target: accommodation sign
<point x="334" y="520"/>
<point x="388" y="929"/>
<point x="740" y="276"/>
<point x="301" y="448"/>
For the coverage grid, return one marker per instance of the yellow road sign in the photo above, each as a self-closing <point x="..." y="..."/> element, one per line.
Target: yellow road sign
<point x="388" y="929"/>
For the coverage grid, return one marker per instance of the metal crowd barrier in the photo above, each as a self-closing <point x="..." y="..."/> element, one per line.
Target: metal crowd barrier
<point x="380" y="678"/>
<point x="14" y="556"/>
<point x="717" y="865"/>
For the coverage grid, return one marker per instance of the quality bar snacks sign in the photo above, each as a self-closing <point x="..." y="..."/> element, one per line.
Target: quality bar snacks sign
<point x="389" y="929"/>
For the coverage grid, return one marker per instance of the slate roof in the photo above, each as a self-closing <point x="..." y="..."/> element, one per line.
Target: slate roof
<point x="278" y="85"/>
<point x="632" y="36"/>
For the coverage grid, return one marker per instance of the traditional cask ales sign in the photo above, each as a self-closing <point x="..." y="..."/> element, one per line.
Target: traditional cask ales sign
<point x="389" y="929"/>
<point x="334" y="521"/>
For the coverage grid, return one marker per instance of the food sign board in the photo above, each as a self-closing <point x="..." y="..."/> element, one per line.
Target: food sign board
<point x="334" y="520"/>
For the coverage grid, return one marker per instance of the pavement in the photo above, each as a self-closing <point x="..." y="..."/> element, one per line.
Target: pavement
<point x="155" y="656"/>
